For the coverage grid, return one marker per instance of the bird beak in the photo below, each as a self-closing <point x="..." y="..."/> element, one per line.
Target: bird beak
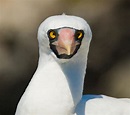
<point x="69" y="49"/>
<point x="66" y="43"/>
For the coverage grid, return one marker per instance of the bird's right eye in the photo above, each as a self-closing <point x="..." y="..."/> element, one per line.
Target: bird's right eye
<point x="52" y="34"/>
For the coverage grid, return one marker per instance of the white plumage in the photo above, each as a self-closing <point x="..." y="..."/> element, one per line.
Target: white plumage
<point x="57" y="85"/>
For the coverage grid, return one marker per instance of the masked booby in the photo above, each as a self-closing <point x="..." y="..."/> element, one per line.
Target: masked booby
<point x="57" y="85"/>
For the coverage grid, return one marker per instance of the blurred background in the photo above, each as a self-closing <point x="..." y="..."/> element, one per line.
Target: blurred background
<point x="108" y="69"/>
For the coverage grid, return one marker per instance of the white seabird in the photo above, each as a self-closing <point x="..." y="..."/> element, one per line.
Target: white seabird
<point x="57" y="85"/>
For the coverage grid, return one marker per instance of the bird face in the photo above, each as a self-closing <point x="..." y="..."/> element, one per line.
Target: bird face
<point x="64" y="37"/>
<point x="65" y="41"/>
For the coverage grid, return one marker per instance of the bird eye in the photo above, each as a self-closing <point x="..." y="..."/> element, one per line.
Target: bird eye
<point x="79" y="34"/>
<point x="52" y="34"/>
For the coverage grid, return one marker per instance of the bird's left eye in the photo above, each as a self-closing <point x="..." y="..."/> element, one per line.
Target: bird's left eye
<point x="52" y="34"/>
<point x="79" y="34"/>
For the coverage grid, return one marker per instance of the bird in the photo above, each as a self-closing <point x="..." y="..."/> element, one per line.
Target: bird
<point x="57" y="85"/>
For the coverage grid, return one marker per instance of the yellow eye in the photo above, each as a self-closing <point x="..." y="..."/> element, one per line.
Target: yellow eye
<point x="52" y="34"/>
<point x="79" y="34"/>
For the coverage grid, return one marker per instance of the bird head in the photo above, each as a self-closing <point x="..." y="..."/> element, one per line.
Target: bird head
<point x="63" y="36"/>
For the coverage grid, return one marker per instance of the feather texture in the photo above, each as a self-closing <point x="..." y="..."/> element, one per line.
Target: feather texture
<point x="57" y="85"/>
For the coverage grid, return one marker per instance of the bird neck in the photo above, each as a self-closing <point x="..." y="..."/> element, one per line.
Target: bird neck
<point x="57" y="85"/>
<point x="75" y="72"/>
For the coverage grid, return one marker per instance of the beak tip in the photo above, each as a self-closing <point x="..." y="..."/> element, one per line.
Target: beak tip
<point x="68" y="49"/>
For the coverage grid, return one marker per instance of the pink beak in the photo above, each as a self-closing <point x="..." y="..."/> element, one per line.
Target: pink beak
<point x="66" y="43"/>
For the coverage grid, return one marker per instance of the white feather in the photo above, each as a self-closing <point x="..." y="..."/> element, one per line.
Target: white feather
<point x="57" y="85"/>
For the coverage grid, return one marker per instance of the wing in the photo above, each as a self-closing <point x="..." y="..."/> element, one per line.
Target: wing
<point x="103" y="105"/>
